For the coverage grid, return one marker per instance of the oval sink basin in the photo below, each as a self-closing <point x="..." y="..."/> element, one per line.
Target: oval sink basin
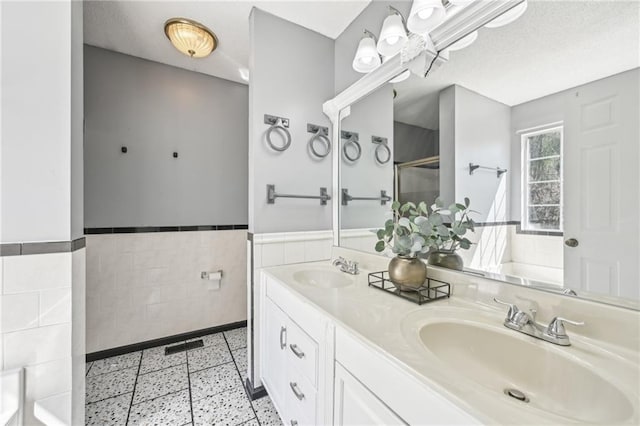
<point x="549" y="380"/>
<point x="324" y="278"/>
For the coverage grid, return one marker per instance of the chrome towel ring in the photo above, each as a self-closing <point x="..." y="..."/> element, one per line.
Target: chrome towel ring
<point x="382" y="146"/>
<point x="352" y="139"/>
<point x="280" y="124"/>
<point x="319" y="134"/>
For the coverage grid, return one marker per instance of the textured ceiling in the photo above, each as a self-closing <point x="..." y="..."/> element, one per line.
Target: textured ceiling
<point x="554" y="46"/>
<point x="136" y="27"/>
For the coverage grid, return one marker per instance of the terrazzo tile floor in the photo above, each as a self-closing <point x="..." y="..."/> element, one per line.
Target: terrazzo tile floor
<point x="201" y="386"/>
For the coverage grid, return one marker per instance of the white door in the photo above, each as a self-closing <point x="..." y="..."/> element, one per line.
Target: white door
<point x="601" y="187"/>
<point x="274" y="368"/>
<point x="356" y="405"/>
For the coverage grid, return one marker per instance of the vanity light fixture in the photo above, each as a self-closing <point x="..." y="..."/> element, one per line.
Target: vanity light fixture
<point x="393" y="35"/>
<point x="509" y="16"/>
<point x="367" y="58"/>
<point x="465" y="41"/>
<point x="425" y="15"/>
<point x="190" y="37"/>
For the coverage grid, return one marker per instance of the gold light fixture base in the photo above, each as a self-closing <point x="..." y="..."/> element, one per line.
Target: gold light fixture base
<point x="190" y="37"/>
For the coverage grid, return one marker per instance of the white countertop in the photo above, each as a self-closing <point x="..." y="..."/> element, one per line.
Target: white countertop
<point x="391" y="325"/>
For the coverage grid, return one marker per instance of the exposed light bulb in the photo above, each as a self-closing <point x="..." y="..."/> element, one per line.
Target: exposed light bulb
<point x="393" y="39"/>
<point x="425" y="13"/>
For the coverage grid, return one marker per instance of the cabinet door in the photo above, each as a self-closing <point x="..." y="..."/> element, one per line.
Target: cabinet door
<point x="356" y="405"/>
<point x="274" y="370"/>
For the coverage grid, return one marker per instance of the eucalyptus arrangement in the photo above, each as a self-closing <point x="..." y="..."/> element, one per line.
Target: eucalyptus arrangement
<point x="414" y="230"/>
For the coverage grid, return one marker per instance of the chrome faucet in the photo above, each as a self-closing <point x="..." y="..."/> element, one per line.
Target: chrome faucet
<point x="348" y="266"/>
<point x="526" y="323"/>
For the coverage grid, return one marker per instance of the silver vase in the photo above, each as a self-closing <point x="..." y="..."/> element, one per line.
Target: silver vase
<point x="445" y="259"/>
<point x="407" y="273"/>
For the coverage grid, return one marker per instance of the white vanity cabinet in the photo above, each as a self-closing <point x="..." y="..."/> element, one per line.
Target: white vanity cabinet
<point x="291" y="365"/>
<point x="319" y="372"/>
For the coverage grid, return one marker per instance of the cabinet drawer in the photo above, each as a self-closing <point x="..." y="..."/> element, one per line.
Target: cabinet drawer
<point x="301" y="398"/>
<point x="302" y="353"/>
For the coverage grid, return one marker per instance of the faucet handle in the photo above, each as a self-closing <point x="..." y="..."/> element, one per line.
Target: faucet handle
<point x="556" y="326"/>
<point x="513" y="309"/>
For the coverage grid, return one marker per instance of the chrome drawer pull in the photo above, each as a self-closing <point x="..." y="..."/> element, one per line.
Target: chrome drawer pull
<point x="296" y="391"/>
<point x="283" y="342"/>
<point x="296" y="351"/>
<point x="294" y="423"/>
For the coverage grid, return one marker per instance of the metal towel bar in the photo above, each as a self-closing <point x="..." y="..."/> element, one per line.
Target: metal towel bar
<point x="383" y="198"/>
<point x="498" y="170"/>
<point x="272" y="195"/>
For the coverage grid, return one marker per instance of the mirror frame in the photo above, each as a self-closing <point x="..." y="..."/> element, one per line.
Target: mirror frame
<point x="420" y="55"/>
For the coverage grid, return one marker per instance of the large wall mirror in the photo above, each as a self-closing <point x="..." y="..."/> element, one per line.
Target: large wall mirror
<point x="537" y="123"/>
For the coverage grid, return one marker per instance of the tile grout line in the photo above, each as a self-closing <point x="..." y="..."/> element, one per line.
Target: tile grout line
<point x="240" y="374"/>
<point x="133" y="394"/>
<point x="189" y="383"/>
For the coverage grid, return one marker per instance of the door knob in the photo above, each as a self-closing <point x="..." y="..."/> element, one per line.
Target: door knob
<point x="571" y="242"/>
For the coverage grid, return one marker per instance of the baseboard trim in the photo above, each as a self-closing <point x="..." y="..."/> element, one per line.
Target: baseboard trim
<point x="121" y="350"/>
<point x="254" y="393"/>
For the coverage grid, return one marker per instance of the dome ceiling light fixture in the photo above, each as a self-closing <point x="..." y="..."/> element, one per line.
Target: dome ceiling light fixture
<point x="190" y="37"/>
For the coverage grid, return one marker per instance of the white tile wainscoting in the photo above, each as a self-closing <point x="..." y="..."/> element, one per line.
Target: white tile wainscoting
<point x="38" y="329"/>
<point x="143" y="286"/>
<point x="291" y="247"/>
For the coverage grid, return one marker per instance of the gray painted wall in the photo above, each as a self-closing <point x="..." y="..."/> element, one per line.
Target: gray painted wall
<point x="154" y="110"/>
<point x="413" y="142"/>
<point x="481" y="135"/>
<point x="292" y="73"/>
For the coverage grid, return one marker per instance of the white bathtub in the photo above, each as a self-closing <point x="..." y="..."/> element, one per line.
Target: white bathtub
<point x="533" y="272"/>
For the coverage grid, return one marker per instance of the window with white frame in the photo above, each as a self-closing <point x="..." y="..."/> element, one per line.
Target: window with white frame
<point x="542" y="180"/>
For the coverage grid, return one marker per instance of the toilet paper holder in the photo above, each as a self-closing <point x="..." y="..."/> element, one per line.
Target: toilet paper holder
<point x="211" y="275"/>
<point x="213" y="279"/>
